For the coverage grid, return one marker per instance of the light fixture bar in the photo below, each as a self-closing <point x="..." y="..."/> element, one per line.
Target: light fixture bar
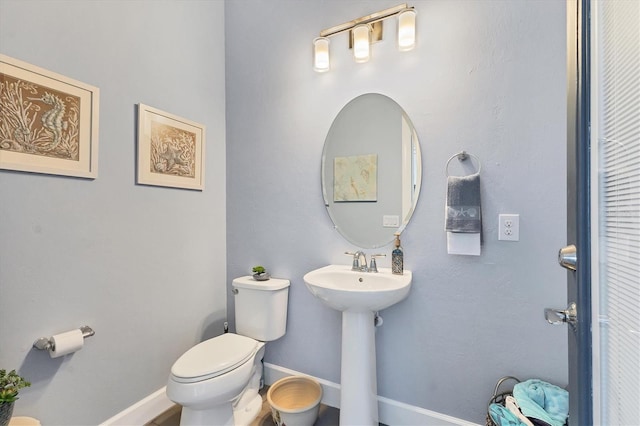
<point x="363" y="32"/>
<point x="374" y="17"/>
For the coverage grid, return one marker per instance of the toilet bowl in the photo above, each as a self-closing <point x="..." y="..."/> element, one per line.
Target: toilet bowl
<point x="217" y="382"/>
<point x="210" y="379"/>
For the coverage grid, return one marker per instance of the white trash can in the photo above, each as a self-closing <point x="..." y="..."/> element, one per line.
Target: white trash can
<point x="295" y="401"/>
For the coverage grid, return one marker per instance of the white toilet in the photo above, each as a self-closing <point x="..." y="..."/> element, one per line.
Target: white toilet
<point x="217" y="381"/>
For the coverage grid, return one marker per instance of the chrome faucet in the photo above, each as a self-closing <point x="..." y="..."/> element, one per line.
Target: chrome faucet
<point x="359" y="261"/>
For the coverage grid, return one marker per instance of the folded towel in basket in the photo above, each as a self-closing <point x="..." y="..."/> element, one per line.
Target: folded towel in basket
<point x="463" y="204"/>
<point x="541" y="400"/>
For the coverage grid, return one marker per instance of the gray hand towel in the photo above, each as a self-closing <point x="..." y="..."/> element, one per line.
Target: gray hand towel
<point x="462" y="210"/>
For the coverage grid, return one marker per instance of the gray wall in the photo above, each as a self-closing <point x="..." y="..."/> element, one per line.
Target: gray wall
<point x="145" y="266"/>
<point x="487" y="77"/>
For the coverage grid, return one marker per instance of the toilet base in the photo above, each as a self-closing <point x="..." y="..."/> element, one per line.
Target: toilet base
<point x="222" y="413"/>
<point x="245" y="415"/>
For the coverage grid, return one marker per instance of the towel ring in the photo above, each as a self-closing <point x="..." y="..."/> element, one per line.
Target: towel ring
<point x="462" y="156"/>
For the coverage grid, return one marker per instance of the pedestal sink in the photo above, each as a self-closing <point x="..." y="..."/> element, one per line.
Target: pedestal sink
<point x="358" y="295"/>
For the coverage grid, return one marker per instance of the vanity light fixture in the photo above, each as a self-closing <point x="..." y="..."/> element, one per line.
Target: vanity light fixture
<point x="366" y="30"/>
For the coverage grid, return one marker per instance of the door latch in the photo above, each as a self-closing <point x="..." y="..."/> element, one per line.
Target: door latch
<point x="562" y="316"/>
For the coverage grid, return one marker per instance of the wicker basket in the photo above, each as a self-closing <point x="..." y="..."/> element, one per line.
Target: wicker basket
<point x="499" y="396"/>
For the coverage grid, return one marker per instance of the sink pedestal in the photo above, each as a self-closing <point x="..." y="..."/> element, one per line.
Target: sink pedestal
<point x="358" y="383"/>
<point x="358" y="295"/>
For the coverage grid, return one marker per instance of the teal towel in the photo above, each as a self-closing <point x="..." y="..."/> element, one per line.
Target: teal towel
<point x="503" y="417"/>
<point x="541" y="400"/>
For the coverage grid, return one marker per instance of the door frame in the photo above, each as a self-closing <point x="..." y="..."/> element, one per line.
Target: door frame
<point x="578" y="209"/>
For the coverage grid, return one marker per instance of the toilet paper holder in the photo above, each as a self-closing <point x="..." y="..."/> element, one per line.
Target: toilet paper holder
<point x="45" y="343"/>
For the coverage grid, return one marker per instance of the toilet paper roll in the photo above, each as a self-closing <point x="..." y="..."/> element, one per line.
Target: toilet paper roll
<point x="66" y="343"/>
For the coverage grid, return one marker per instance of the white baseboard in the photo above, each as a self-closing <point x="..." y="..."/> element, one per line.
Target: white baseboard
<point x="390" y="412"/>
<point x="142" y="411"/>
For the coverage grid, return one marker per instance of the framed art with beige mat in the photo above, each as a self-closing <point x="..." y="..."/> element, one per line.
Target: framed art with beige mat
<point x="170" y="150"/>
<point x="48" y="122"/>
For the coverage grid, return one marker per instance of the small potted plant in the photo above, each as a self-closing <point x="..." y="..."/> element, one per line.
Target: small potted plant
<point x="260" y="274"/>
<point x="10" y="385"/>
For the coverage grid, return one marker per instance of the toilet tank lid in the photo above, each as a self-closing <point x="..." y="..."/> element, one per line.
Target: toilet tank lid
<point x="268" y="285"/>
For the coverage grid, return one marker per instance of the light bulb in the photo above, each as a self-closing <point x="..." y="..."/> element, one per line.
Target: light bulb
<point x="361" y="45"/>
<point x="407" y="29"/>
<point x="321" y="61"/>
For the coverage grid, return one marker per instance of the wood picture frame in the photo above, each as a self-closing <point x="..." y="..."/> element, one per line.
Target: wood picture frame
<point x="171" y="150"/>
<point x="48" y="122"/>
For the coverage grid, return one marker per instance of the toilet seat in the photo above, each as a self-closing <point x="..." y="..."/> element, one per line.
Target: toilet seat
<point x="213" y="358"/>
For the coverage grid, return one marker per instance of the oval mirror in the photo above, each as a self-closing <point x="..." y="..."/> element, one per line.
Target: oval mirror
<point x="371" y="170"/>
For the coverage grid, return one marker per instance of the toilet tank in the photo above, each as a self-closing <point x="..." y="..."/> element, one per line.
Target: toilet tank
<point x="261" y="307"/>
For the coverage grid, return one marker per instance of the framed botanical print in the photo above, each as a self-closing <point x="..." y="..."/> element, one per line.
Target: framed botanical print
<point x="170" y="150"/>
<point x="48" y="122"/>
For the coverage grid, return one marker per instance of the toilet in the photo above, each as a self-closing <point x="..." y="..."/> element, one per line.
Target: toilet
<point x="217" y="381"/>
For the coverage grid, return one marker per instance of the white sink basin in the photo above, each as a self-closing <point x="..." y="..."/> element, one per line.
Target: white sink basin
<point x="345" y="290"/>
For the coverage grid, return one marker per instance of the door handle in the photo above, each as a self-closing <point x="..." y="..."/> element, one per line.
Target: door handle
<point x="562" y="316"/>
<point x="568" y="257"/>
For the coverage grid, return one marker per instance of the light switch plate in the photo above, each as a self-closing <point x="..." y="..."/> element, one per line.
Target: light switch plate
<point x="390" y="221"/>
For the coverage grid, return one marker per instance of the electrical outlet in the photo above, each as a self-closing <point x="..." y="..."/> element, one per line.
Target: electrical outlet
<point x="509" y="227"/>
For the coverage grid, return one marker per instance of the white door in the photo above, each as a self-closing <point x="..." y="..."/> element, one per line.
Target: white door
<point x="603" y="212"/>
<point x="615" y="210"/>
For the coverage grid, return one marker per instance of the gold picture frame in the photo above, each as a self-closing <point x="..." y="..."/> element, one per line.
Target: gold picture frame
<point x="48" y="122"/>
<point x="171" y="150"/>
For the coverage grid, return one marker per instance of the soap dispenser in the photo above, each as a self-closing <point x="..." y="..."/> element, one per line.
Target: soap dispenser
<point x="397" y="257"/>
